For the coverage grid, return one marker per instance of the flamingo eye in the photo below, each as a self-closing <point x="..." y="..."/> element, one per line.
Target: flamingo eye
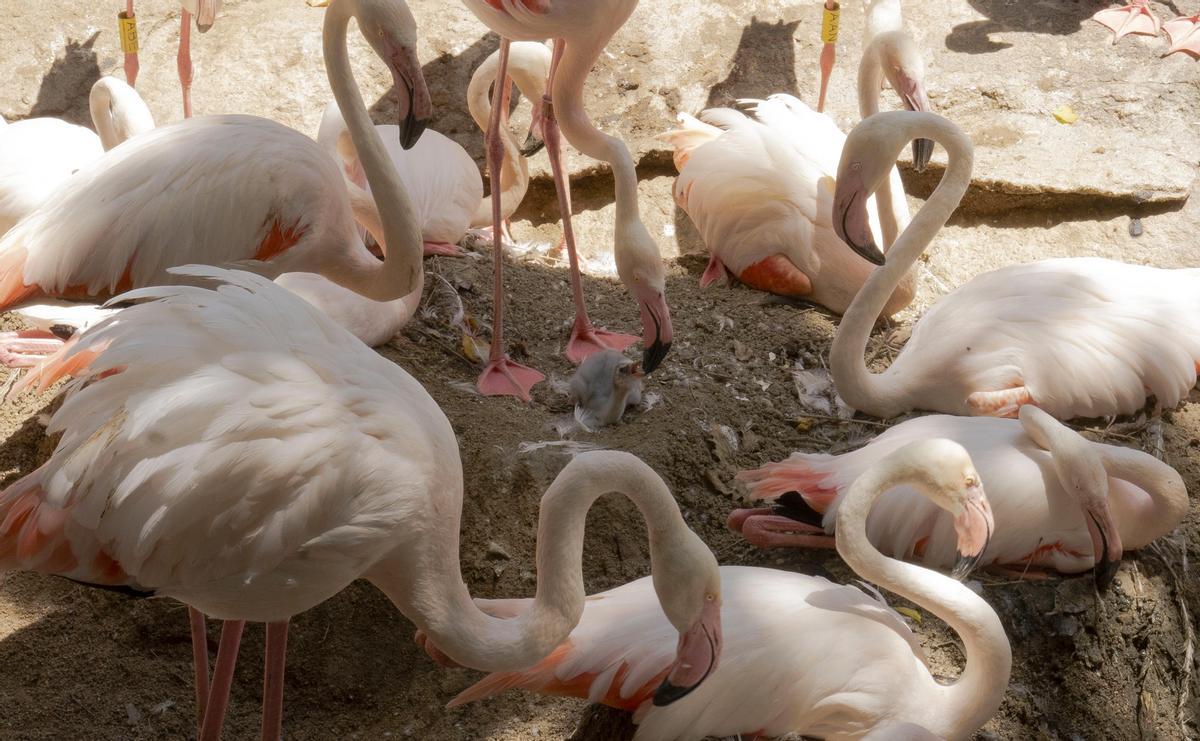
<point x="709" y="597"/>
<point x="971" y="481"/>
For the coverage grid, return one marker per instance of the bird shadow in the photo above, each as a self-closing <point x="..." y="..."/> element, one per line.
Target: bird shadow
<point x="1056" y="19"/>
<point x="66" y="85"/>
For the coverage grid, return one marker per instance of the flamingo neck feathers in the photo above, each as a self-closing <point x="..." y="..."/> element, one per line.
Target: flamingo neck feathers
<point x="870" y="84"/>
<point x="514" y="169"/>
<point x="958" y="709"/>
<point x="890" y="393"/>
<point x="1162" y="483"/>
<point x="401" y="272"/>
<point x="426" y="584"/>
<point x="118" y="112"/>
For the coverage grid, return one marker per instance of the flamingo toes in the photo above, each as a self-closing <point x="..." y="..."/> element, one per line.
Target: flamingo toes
<point x="1135" y="18"/>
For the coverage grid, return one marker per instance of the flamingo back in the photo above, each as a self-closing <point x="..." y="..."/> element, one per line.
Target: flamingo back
<point x="36" y="156"/>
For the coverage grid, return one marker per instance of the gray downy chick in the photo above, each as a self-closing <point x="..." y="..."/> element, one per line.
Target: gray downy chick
<point x="605" y="384"/>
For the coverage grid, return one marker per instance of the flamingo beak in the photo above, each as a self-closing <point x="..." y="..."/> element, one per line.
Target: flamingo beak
<point x="656" y="327"/>
<point x="912" y="92"/>
<point x="414" y="105"/>
<point x="535" y="140"/>
<point x="206" y="15"/>
<point x="1106" y="540"/>
<point x="974" y="526"/>
<point x="850" y="220"/>
<point x="696" y="657"/>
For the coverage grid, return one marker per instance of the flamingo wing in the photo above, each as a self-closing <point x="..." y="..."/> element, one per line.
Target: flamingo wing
<point x="36" y="156"/>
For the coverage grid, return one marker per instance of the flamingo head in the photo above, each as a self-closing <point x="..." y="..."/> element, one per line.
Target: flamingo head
<point x="904" y="70"/>
<point x="529" y="66"/>
<point x="868" y="156"/>
<point x="691" y="598"/>
<point x="392" y="32"/>
<point x="641" y="270"/>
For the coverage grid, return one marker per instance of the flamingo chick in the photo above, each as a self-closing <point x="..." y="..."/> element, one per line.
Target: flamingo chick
<point x="270" y="458"/>
<point x="760" y="189"/>
<point x="807" y="657"/>
<point x="605" y="384"/>
<point x="224" y="189"/>
<point x="1018" y="335"/>
<point x="1061" y="502"/>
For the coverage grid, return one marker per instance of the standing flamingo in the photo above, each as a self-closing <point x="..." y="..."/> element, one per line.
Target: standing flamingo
<point x="270" y="458"/>
<point x="581" y="29"/>
<point x="1061" y="502"/>
<point x="205" y="13"/>
<point x="1022" y="334"/>
<point x="760" y="189"/>
<point x="221" y="189"/>
<point x="807" y="657"/>
<point x="440" y="177"/>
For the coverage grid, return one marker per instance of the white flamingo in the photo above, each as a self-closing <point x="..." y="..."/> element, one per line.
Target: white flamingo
<point x="760" y="190"/>
<point x="1078" y="337"/>
<point x="1061" y="502"/>
<point x="225" y="189"/>
<point x="807" y="657"/>
<point x="270" y="458"/>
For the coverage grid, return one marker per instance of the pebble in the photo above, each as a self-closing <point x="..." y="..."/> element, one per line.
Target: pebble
<point x="1135" y="227"/>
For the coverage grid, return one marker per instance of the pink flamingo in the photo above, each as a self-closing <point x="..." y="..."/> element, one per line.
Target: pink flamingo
<point x="270" y="459"/>
<point x="205" y="13"/>
<point x="803" y="656"/>
<point x="1061" y="502"/>
<point x="1013" y="336"/>
<point x="581" y="29"/>
<point x="222" y="189"/>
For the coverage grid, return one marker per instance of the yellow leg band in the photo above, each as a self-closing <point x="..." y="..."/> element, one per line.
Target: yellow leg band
<point x="829" y="25"/>
<point x="127" y="28"/>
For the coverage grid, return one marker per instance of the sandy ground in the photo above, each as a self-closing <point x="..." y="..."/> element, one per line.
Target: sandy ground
<point x="79" y="663"/>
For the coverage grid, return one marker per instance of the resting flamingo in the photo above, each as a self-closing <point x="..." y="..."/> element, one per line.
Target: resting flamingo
<point x="270" y="458"/>
<point x="1078" y="337"/>
<point x="205" y="13"/>
<point x="441" y="178"/>
<point x="1061" y="502"/>
<point x="760" y="189"/>
<point x="221" y="189"/>
<point x="807" y="657"/>
<point x="581" y="29"/>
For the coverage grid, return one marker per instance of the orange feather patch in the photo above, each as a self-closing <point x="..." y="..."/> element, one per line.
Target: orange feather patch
<point x="278" y="239"/>
<point x="776" y="274"/>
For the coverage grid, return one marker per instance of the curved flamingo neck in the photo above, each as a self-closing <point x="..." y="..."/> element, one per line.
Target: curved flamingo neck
<point x="1162" y="483"/>
<point x="118" y="112"/>
<point x="425" y="582"/>
<point x="514" y="169"/>
<point x="889" y="196"/>
<point x="889" y="393"/>
<point x="956" y="710"/>
<point x="401" y="272"/>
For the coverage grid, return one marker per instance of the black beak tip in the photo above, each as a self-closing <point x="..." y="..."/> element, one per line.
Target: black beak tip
<point x="922" y="152"/>
<point x="964" y="565"/>
<point x="532" y="146"/>
<point x="653" y="356"/>
<point x="410" y="131"/>
<point x="1105" y="571"/>
<point x="668" y="693"/>
<point x="869" y="252"/>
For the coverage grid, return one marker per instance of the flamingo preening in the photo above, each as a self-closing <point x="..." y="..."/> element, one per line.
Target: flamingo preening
<point x="1060" y="501"/>
<point x="1023" y="334"/>
<point x="581" y="29"/>
<point x="802" y="655"/>
<point x="224" y="189"/>
<point x="270" y="458"/>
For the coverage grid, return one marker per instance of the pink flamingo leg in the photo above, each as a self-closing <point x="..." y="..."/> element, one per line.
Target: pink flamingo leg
<point x="828" y="56"/>
<point x="218" y="698"/>
<point x="1136" y="17"/>
<point x="184" y="61"/>
<point x="765" y="529"/>
<point x="443" y="248"/>
<point x="585" y="339"/>
<point x="272" y="720"/>
<point x="27" y="348"/>
<point x="200" y="662"/>
<point x="502" y="376"/>
<point x="1184" y="33"/>
<point x="131" y="59"/>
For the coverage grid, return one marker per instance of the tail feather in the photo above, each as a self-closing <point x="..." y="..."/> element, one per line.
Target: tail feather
<point x="538" y="677"/>
<point x="31" y="529"/>
<point x="13" y="289"/>
<point x="805" y="473"/>
<point x="66" y="362"/>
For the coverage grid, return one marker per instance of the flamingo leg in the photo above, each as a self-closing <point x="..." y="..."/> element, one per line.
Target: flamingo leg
<point x="829" y="34"/>
<point x="200" y="663"/>
<point x="218" y="698"/>
<point x="27" y="347"/>
<point x="1136" y="17"/>
<point x="442" y="248"/>
<point x="585" y="339"/>
<point x="765" y="529"/>
<point x="502" y="376"/>
<point x="1002" y="403"/>
<point x="184" y="61"/>
<point x="272" y="720"/>
<point x="131" y="57"/>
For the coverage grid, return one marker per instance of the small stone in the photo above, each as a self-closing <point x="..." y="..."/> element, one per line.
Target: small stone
<point x="741" y="352"/>
<point x="497" y="552"/>
<point x="1135" y="227"/>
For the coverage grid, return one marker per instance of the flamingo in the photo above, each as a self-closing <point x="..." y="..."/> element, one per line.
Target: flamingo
<point x="441" y="178"/>
<point x="220" y="189"/>
<point x="38" y="154"/>
<point x="759" y="189"/>
<point x="581" y="29"/>
<point x="205" y="13"/>
<point x="808" y="657"/>
<point x="1022" y="334"/>
<point x="269" y="459"/>
<point x="1061" y="502"/>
